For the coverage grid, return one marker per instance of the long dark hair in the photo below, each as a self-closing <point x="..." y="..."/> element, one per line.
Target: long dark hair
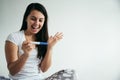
<point x="42" y="35"/>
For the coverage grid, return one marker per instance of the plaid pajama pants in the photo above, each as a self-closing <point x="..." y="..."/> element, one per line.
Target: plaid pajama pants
<point x="63" y="75"/>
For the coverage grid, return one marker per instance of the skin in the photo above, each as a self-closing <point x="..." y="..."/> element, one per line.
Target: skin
<point x="35" y="21"/>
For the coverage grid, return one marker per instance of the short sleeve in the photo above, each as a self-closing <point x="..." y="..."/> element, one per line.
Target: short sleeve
<point x="12" y="38"/>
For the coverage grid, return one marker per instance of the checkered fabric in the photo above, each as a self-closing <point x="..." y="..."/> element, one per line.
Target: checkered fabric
<point x="63" y="75"/>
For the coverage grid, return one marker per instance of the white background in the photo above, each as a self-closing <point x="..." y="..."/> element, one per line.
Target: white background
<point x="91" y="43"/>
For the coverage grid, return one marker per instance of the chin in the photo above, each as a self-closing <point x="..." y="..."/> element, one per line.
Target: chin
<point x="35" y="32"/>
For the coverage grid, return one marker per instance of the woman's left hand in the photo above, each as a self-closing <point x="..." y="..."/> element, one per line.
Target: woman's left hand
<point x="54" y="39"/>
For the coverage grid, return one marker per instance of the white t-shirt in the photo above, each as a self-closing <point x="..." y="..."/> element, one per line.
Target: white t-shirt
<point x="30" y="70"/>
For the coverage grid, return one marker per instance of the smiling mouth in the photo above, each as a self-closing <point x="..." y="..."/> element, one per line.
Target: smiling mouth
<point x="34" y="27"/>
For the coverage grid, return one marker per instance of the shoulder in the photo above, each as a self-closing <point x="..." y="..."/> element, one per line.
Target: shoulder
<point x="15" y="37"/>
<point x="16" y="33"/>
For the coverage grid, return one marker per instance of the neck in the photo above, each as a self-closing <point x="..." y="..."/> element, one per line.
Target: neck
<point x="29" y="36"/>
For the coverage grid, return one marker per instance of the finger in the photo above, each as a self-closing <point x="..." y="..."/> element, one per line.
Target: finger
<point x="60" y="33"/>
<point x="59" y="36"/>
<point x="26" y="42"/>
<point x="29" y="47"/>
<point x="51" y="37"/>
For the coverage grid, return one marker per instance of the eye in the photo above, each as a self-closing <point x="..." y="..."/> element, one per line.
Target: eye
<point x="40" y="20"/>
<point x="33" y="18"/>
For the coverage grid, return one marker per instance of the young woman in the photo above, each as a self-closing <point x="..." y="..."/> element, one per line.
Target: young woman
<point x="25" y="59"/>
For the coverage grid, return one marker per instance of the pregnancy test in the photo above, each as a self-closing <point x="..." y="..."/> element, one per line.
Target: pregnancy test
<point x="39" y="43"/>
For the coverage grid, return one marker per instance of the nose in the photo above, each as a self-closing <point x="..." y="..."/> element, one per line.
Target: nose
<point x="37" y="22"/>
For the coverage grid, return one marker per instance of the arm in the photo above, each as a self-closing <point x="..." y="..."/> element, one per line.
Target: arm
<point x="46" y="62"/>
<point x="14" y="62"/>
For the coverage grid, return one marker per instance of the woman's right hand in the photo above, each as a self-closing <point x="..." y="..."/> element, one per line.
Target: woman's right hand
<point x="27" y="47"/>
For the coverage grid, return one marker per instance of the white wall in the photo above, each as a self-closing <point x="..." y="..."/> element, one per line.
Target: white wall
<point x="91" y="43"/>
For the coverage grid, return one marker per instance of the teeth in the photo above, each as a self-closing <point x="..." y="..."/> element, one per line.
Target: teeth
<point x="34" y="27"/>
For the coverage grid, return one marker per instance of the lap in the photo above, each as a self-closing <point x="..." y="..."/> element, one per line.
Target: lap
<point x="63" y="75"/>
<point x="60" y="75"/>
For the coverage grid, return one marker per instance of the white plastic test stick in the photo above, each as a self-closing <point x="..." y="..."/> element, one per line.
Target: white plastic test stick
<point x="39" y="43"/>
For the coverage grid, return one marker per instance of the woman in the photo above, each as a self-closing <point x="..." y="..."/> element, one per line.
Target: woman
<point x="26" y="60"/>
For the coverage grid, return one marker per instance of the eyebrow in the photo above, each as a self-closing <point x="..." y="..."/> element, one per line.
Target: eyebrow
<point x="36" y="17"/>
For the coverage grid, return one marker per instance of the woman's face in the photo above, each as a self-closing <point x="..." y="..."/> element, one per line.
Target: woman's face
<point x="35" y="21"/>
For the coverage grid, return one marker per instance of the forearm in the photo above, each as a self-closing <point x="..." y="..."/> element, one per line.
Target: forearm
<point x="16" y="66"/>
<point x="46" y="62"/>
